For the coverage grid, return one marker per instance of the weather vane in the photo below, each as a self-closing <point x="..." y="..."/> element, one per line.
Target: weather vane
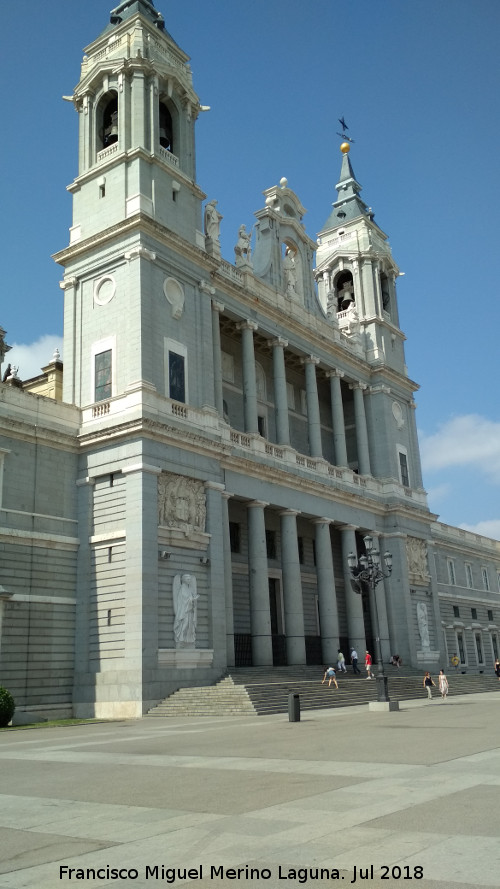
<point x="343" y="134"/>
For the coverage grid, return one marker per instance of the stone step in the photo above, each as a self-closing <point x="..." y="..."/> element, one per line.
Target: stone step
<point x="265" y="690"/>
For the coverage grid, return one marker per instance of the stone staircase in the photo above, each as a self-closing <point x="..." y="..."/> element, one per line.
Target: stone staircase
<point x="223" y="699"/>
<point x="264" y="690"/>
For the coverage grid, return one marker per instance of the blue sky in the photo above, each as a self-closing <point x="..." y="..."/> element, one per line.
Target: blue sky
<point x="418" y="83"/>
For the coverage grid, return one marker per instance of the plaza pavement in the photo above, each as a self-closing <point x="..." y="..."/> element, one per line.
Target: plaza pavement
<point x="342" y="790"/>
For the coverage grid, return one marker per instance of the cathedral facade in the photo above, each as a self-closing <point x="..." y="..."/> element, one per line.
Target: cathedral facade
<point x="228" y="432"/>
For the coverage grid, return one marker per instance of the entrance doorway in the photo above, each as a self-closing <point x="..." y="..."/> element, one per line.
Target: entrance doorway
<point x="277" y="623"/>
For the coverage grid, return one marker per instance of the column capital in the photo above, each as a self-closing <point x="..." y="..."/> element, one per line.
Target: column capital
<point x="348" y="527"/>
<point x="334" y="372"/>
<point x="205" y="287"/>
<point x="261" y="503"/>
<point x="322" y="521"/>
<point x="292" y="512"/>
<point x="217" y="307"/>
<point x="226" y="495"/>
<point x="309" y="359"/>
<point x="357" y="384"/>
<point x="248" y="324"/>
<point x="214" y="486"/>
<point x="279" y="341"/>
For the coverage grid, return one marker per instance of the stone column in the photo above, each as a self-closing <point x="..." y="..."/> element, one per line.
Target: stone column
<point x="217" y="309"/>
<point x="327" y="597"/>
<point x="216" y="585"/>
<point x="361" y="429"/>
<point x="228" y="580"/>
<point x="280" y="392"/>
<point x="313" y="418"/>
<point x="260" y="614"/>
<point x="249" y="378"/>
<point x="339" y="441"/>
<point x="353" y="601"/>
<point x="292" y="589"/>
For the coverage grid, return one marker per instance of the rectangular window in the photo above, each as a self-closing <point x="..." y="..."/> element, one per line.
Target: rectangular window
<point x="271" y="544"/>
<point x="261" y="425"/>
<point x="103" y="375"/>
<point x="176" y="377"/>
<point x="235" y="537"/>
<point x="451" y="572"/>
<point x="300" y="545"/>
<point x="456" y="611"/>
<point x="290" y="396"/>
<point x="403" y="470"/>
<point x="473" y="613"/>
<point x="490" y="615"/>
<point x="498" y="581"/>
<point x="486" y="582"/>
<point x="468" y="575"/>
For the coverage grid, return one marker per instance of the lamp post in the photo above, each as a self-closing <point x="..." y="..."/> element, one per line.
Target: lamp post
<point x="368" y="569"/>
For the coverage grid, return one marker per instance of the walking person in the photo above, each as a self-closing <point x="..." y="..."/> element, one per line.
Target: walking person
<point x="354" y="661"/>
<point x="341" y="662"/>
<point x="330" y="675"/>
<point x="428" y="683"/>
<point x="443" y="684"/>
<point x="497" y="669"/>
<point x="368" y="665"/>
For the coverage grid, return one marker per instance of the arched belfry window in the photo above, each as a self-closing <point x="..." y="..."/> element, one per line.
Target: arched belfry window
<point x="107" y="120"/>
<point x="386" y="293"/>
<point x="344" y="291"/>
<point x="166" y="128"/>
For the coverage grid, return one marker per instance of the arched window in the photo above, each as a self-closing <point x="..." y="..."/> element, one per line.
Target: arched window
<point x="344" y="290"/>
<point x="386" y="293"/>
<point x="107" y="120"/>
<point x="166" y="128"/>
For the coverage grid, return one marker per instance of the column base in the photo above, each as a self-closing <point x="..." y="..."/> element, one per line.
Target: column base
<point x="383" y="706"/>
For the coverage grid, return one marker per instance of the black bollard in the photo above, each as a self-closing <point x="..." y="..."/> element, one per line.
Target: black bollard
<point x="294" y="707"/>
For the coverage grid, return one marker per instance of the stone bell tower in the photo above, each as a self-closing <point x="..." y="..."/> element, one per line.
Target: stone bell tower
<point x="135" y="191"/>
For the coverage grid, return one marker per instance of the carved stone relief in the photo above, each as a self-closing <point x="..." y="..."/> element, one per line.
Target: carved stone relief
<point x="181" y="503"/>
<point x="416" y="554"/>
<point x="175" y="295"/>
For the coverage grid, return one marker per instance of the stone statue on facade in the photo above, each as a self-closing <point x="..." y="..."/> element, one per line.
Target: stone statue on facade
<point x="423" y="626"/>
<point x="212" y="223"/>
<point x="289" y="272"/>
<point x="242" y="250"/>
<point x="185" y="600"/>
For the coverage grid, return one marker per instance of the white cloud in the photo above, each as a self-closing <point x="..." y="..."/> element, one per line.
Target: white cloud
<point x="469" y="440"/>
<point x="488" y="528"/>
<point x="30" y="358"/>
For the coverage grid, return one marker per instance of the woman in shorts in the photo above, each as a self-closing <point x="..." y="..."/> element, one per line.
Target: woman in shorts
<point x="331" y="676"/>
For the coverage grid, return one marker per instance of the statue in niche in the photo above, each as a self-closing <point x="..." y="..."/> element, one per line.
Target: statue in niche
<point x="423" y="626"/>
<point x="416" y="554"/>
<point x="181" y="503"/>
<point x="290" y="272"/>
<point x="242" y="250"/>
<point x="185" y="600"/>
<point x="212" y="222"/>
<point x="346" y="296"/>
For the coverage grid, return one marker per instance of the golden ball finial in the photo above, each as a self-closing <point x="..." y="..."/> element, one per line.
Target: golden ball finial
<point x="345" y="148"/>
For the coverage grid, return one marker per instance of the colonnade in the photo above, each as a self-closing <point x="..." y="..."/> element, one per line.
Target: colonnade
<point x="310" y="363"/>
<point x="291" y="585"/>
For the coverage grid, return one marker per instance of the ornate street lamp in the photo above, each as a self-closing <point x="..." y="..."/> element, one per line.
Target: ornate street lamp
<point x="368" y="570"/>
